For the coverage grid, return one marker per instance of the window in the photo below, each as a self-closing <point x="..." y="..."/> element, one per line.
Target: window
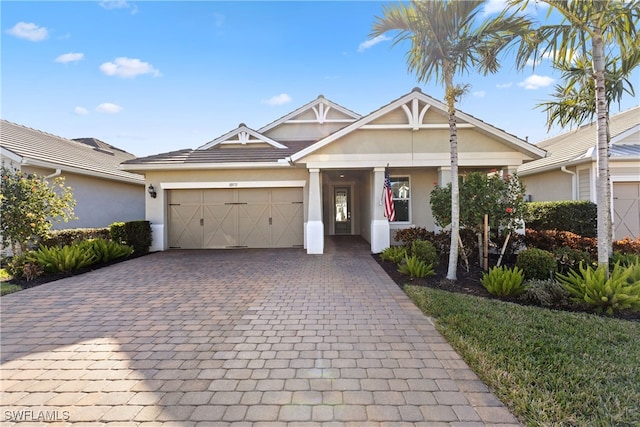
<point x="401" y="197"/>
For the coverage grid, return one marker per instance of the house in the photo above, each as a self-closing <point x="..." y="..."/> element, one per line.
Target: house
<point x="569" y="171"/>
<point x="103" y="192"/>
<point x="319" y="170"/>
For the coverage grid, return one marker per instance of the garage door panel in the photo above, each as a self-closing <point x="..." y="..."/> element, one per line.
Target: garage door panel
<point x="626" y="209"/>
<point x="220" y="226"/>
<point x="185" y="230"/>
<point x="247" y="217"/>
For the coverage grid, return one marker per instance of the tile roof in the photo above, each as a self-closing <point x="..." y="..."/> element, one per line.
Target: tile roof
<point x="87" y="155"/>
<point x="577" y="144"/>
<point x="224" y="154"/>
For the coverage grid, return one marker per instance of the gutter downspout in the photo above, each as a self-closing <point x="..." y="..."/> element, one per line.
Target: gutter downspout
<point x="53" y="175"/>
<point x="574" y="190"/>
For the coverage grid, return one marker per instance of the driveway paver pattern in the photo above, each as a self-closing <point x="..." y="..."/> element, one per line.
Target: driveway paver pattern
<point x="233" y="338"/>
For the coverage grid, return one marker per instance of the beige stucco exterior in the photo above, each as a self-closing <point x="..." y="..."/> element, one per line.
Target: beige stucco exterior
<point x="409" y="136"/>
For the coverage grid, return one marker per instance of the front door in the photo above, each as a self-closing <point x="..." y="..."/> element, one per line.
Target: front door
<point x="342" y="206"/>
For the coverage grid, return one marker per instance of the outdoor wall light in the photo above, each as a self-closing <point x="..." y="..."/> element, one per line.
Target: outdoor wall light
<point x="152" y="191"/>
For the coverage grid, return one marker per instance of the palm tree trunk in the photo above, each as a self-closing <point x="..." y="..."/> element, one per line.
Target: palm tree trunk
<point x="603" y="187"/>
<point x="455" y="191"/>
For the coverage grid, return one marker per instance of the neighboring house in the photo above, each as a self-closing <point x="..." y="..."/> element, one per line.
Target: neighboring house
<point x="103" y="192"/>
<point x="317" y="171"/>
<point x="569" y="171"/>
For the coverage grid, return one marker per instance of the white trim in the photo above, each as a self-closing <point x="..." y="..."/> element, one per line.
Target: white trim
<point x="244" y="135"/>
<point x="626" y="133"/>
<point x="624" y="178"/>
<point x="201" y="166"/>
<point x="415" y="127"/>
<point x="4" y="152"/>
<point x="230" y="184"/>
<point x="310" y="106"/>
<point x="418" y="95"/>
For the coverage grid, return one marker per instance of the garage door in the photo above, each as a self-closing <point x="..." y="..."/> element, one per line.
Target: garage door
<point x="228" y="218"/>
<point x="626" y="209"/>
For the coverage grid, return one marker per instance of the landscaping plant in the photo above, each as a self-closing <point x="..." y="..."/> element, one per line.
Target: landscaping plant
<point x="105" y="250"/>
<point x="536" y="263"/>
<point x="619" y="291"/>
<point x="503" y="281"/>
<point x="394" y="254"/>
<point x="425" y="251"/>
<point x="415" y="267"/>
<point x="62" y="260"/>
<point x="546" y="293"/>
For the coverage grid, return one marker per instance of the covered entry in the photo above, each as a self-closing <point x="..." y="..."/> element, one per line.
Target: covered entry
<point x="241" y="217"/>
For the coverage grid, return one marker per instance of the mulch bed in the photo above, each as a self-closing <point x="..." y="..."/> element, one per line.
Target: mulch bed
<point x="468" y="282"/>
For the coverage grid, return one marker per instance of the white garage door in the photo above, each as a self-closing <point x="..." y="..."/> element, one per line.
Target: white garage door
<point x="228" y="218"/>
<point x="626" y="210"/>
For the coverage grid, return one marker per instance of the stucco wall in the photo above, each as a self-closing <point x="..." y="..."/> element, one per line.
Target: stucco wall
<point x="549" y="186"/>
<point x="99" y="202"/>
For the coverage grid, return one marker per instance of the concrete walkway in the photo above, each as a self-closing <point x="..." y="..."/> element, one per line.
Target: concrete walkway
<point x="233" y="338"/>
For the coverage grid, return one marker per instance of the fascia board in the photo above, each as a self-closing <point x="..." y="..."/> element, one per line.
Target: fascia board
<point x="200" y="166"/>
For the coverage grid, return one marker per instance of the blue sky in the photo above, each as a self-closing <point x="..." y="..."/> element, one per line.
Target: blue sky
<point x="153" y="77"/>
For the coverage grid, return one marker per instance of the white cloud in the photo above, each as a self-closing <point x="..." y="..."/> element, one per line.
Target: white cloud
<point x="504" y="85"/>
<point x="534" y="82"/>
<point x="128" y="68"/>
<point x="81" y="111"/>
<point x="479" y="93"/>
<point x="108" y="108"/>
<point x="69" y="57"/>
<point x="281" y="99"/>
<point x="118" y="4"/>
<point x="29" y="31"/>
<point x="372" y="42"/>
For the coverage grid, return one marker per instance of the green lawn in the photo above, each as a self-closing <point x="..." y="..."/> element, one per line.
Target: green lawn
<point x="549" y="367"/>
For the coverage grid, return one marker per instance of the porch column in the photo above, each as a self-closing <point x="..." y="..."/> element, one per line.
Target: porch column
<point x="444" y="176"/>
<point x="380" y="233"/>
<point x="315" y="227"/>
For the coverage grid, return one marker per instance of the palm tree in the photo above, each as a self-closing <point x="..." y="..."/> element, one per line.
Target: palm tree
<point x="590" y="28"/>
<point x="447" y="39"/>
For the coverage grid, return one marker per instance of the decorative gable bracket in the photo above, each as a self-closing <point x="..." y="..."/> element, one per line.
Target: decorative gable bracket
<point x="242" y="135"/>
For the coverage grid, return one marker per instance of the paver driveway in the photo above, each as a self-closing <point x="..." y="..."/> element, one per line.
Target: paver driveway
<point x="247" y="337"/>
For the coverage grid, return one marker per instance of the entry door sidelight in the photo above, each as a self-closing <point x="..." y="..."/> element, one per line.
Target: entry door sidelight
<point x="342" y="210"/>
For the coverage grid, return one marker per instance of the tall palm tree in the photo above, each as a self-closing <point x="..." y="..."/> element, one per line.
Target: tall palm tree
<point x="447" y="39"/>
<point x="590" y="28"/>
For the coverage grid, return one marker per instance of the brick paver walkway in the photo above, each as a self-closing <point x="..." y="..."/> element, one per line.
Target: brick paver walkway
<point x="233" y="338"/>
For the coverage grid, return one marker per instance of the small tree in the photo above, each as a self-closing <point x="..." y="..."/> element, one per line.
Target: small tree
<point x="502" y="199"/>
<point x="28" y="206"/>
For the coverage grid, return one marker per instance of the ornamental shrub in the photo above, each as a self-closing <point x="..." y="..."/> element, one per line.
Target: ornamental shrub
<point x="395" y="254"/>
<point x="503" y="281"/>
<point x="576" y="216"/>
<point x="74" y="235"/>
<point x="136" y="234"/>
<point x="549" y="240"/>
<point x="620" y="291"/>
<point x="62" y="260"/>
<point x="536" y="263"/>
<point x="105" y="250"/>
<point x="415" y="267"/>
<point x="624" y="259"/>
<point x="627" y="245"/>
<point x="425" y="251"/>
<point x="546" y="293"/>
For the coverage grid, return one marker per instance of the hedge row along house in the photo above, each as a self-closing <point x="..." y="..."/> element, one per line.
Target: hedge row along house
<point x="569" y="170"/>
<point x="317" y="171"/>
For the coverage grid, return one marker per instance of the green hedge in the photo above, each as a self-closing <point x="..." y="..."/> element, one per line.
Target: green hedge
<point x="67" y="237"/>
<point x="576" y="216"/>
<point x="133" y="233"/>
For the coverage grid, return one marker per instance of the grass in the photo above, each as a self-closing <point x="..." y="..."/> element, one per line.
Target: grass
<point x="5" y="286"/>
<point x="551" y="368"/>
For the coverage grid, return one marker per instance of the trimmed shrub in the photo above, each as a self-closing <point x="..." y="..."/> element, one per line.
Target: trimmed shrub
<point x="576" y="216"/>
<point x="425" y="251"/>
<point x="549" y="240"/>
<point x="536" y="263"/>
<point x="407" y="236"/>
<point x="620" y="291"/>
<point x="136" y="234"/>
<point x="395" y="254"/>
<point x="569" y="259"/>
<point x="441" y="241"/>
<point x="67" y="237"/>
<point x="503" y="281"/>
<point x="415" y="267"/>
<point x="546" y="293"/>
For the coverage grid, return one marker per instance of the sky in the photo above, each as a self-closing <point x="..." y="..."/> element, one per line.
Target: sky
<point x="154" y="77"/>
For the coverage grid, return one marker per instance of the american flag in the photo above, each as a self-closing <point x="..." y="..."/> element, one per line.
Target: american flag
<point x="389" y="210"/>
